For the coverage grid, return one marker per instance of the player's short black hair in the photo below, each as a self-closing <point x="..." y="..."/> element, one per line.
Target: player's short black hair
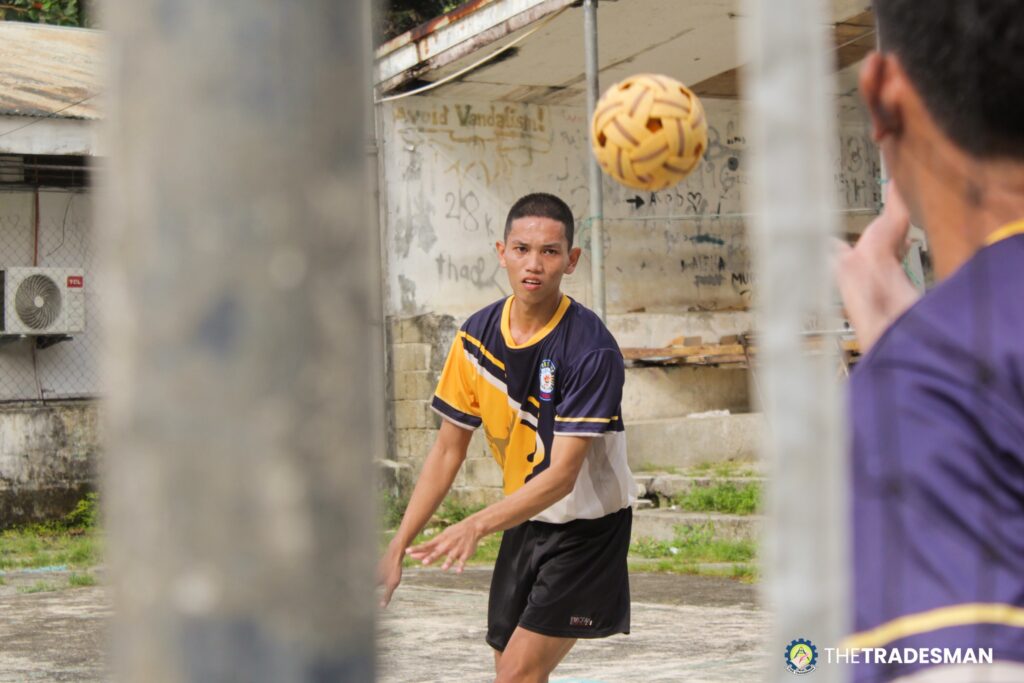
<point x="966" y="59"/>
<point x="543" y="205"/>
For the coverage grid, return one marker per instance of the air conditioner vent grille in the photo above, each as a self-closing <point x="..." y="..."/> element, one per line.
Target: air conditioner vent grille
<point x="38" y="302"/>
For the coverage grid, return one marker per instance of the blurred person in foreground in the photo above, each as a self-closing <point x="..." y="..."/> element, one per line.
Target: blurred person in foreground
<point x="938" y="400"/>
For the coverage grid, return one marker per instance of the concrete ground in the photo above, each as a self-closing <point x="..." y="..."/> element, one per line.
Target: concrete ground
<point x="684" y="628"/>
<point x="51" y="636"/>
<point x="691" y="628"/>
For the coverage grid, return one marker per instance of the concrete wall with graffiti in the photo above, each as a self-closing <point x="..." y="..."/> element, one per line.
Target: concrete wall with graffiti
<point x="677" y="262"/>
<point x="452" y="168"/>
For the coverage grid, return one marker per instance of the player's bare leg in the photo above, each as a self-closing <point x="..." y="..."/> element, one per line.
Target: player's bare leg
<point x="530" y="657"/>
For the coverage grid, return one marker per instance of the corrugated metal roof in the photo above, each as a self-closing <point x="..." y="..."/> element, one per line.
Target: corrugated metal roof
<point x="49" y="71"/>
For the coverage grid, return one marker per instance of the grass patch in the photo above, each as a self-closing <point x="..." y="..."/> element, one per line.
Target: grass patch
<point x="453" y="512"/>
<point x="723" y="470"/>
<point x="651" y="468"/>
<point x="726" y="497"/>
<point x="746" y="573"/>
<point x="81" y="580"/>
<point x="38" y="546"/>
<point x="73" y="541"/>
<point x="391" y="510"/>
<point x="39" y="587"/>
<point x="693" y="544"/>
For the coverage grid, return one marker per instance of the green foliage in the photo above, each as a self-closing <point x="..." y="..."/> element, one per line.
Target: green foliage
<point x="399" y="16"/>
<point x="85" y="515"/>
<point x="453" y="512"/>
<point x="391" y="510"/>
<point x="726" y="497"/>
<point x="723" y="469"/>
<point x="694" y="543"/>
<point x="60" y="12"/>
<point x="81" y="580"/>
<point x="40" y="545"/>
<point x="38" y="587"/>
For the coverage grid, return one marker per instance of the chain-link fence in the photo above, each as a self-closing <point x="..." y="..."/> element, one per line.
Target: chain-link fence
<point x="50" y="228"/>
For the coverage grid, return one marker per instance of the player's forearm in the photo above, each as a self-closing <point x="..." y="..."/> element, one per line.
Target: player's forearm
<point x="436" y="477"/>
<point x="534" y="497"/>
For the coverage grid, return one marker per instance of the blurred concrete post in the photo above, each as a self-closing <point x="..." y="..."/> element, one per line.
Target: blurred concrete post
<point x="239" y="369"/>
<point x="791" y="121"/>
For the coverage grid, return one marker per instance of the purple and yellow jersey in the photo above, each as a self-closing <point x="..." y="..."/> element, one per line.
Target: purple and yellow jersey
<point x="566" y="380"/>
<point x="938" y="468"/>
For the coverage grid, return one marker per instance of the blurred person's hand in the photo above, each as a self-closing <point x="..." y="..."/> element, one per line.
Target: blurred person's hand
<point x="874" y="287"/>
<point x="389" y="573"/>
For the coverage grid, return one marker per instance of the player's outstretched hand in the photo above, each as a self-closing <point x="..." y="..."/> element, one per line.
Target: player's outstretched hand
<point x="456" y="545"/>
<point x="389" y="574"/>
<point x="872" y="283"/>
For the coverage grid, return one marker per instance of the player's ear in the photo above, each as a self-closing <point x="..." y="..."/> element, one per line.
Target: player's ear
<point x="880" y="86"/>
<point x="499" y="246"/>
<point x="574" y="257"/>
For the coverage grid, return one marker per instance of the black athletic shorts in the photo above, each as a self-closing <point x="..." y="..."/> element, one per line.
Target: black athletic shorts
<point x="566" y="580"/>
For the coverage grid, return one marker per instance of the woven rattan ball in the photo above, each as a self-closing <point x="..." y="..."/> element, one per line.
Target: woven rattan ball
<point x="648" y="131"/>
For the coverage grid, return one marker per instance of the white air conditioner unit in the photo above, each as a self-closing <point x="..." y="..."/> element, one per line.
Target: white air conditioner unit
<point x="42" y="301"/>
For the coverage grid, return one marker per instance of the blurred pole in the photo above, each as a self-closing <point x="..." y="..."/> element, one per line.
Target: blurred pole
<point x="594" y="170"/>
<point x="238" y="326"/>
<point x="790" y="86"/>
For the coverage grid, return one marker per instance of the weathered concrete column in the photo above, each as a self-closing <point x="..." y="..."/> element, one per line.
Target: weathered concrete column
<point x="791" y="119"/>
<point x="241" y="429"/>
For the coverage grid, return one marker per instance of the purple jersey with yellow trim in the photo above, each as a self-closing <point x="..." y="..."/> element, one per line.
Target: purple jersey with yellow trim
<point x="566" y="380"/>
<point x="938" y="470"/>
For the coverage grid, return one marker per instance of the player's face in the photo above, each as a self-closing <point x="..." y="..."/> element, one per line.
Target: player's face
<point x="537" y="255"/>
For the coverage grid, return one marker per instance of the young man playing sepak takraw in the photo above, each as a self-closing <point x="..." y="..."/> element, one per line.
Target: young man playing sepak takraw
<point x="544" y="378"/>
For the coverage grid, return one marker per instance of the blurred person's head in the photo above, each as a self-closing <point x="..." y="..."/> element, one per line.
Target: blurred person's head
<point x="945" y="93"/>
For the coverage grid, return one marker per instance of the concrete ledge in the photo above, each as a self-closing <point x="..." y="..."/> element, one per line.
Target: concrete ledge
<point x="652" y="393"/>
<point x="655" y="330"/>
<point x="671" y="485"/>
<point x="662" y="525"/>
<point x="475" y="495"/>
<point x="48" y="459"/>
<point x="685" y="442"/>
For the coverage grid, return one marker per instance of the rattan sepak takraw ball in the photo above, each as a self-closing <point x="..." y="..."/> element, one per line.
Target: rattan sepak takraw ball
<point x="648" y="131"/>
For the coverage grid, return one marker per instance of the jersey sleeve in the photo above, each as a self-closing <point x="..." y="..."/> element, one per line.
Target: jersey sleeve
<point x="455" y="398"/>
<point x="591" y="395"/>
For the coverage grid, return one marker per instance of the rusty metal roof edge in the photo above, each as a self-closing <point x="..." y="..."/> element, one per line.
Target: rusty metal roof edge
<point x="426" y="28"/>
<point x="529" y="11"/>
<point x="45" y="115"/>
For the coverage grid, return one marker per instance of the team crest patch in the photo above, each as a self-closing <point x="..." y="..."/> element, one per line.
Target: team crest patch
<point x="547" y="379"/>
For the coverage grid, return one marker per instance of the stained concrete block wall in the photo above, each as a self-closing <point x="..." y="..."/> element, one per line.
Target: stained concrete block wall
<point x="417" y="351"/>
<point x="48" y="459"/>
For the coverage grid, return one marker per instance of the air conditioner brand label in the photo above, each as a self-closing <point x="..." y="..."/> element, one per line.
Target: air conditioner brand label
<point x="75" y="282"/>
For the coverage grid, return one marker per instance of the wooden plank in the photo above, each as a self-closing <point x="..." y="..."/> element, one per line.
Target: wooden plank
<point x="707" y="354"/>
